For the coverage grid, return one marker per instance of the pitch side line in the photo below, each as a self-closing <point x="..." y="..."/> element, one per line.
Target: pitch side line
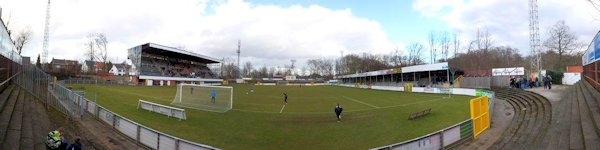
<point x="360" y="102"/>
<point x="282" y="109"/>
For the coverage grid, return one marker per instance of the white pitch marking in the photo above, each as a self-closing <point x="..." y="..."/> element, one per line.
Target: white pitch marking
<point x="348" y="98"/>
<point x="282" y="108"/>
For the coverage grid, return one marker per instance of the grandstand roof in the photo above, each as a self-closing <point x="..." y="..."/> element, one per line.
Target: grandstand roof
<point x="182" y="54"/>
<point x="409" y="69"/>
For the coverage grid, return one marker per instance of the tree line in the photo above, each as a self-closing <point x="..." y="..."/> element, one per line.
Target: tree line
<point x="560" y="48"/>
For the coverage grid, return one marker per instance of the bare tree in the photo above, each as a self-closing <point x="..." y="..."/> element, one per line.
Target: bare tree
<point x="229" y="69"/>
<point x="90" y="44"/>
<point x="396" y="58"/>
<point x="432" y="39"/>
<point x="456" y="44"/>
<point x="101" y="43"/>
<point x="264" y="72"/>
<point x="22" y="38"/>
<point x="483" y="41"/>
<point x="486" y="41"/>
<point x="247" y="68"/>
<point x="444" y="42"/>
<point x="414" y="53"/>
<point x="562" y="40"/>
<point x="321" y="67"/>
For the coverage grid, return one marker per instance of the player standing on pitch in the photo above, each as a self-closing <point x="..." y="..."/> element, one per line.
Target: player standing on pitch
<point x="191" y="90"/>
<point x="285" y="97"/>
<point x="213" y="96"/>
<point x="338" y="112"/>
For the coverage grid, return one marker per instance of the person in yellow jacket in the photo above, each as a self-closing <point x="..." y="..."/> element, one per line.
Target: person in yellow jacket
<point x="55" y="141"/>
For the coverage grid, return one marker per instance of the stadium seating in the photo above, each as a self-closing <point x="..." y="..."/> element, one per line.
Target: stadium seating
<point x="573" y="122"/>
<point x="23" y="121"/>
<point x="532" y="116"/>
<point x="157" y="67"/>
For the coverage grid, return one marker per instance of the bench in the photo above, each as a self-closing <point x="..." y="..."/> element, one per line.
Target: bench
<point x="419" y="114"/>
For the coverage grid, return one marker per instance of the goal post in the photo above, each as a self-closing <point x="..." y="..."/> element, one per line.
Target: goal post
<point x="201" y="97"/>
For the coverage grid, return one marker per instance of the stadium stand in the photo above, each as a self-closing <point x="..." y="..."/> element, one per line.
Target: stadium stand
<point x="174" y="68"/>
<point x="532" y="116"/>
<point x="162" y="65"/>
<point x="428" y="75"/>
<point x="23" y="121"/>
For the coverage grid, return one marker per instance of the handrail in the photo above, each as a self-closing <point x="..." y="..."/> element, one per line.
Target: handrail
<point x="3" y="82"/>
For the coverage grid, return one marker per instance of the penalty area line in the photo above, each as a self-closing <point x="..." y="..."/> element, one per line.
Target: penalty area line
<point x="355" y="100"/>
<point x="280" y="111"/>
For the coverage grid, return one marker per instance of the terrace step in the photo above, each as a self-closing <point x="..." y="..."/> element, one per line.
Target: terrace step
<point x="531" y="121"/>
<point x="6" y="114"/>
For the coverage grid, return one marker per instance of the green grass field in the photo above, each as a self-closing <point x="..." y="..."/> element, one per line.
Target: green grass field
<point x="371" y="118"/>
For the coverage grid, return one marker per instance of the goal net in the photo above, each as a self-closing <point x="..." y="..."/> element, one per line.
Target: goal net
<point x="201" y="97"/>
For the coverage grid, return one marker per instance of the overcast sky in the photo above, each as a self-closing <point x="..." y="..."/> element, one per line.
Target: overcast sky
<point x="274" y="31"/>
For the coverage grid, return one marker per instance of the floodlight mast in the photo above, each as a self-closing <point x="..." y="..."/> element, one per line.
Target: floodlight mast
<point x="534" y="38"/>
<point x="238" y="60"/>
<point x="46" y="35"/>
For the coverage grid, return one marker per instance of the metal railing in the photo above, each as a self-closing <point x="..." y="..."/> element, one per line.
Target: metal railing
<point x="95" y="82"/>
<point x="75" y="106"/>
<point x="441" y="139"/>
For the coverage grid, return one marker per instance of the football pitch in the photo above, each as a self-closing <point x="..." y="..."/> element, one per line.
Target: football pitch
<point x="259" y="120"/>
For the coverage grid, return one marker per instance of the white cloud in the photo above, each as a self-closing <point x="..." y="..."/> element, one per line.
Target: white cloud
<point x="270" y="35"/>
<point x="508" y="20"/>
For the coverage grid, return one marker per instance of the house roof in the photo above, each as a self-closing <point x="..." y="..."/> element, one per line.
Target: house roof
<point x="120" y="66"/>
<point x="89" y="63"/>
<point x="63" y="62"/>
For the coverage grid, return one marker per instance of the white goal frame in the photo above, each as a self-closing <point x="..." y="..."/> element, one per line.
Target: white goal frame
<point x="179" y="94"/>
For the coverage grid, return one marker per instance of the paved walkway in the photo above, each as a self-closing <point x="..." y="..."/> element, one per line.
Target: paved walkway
<point x="554" y="95"/>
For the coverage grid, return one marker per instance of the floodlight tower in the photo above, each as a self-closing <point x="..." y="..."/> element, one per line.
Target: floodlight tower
<point x="46" y="34"/>
<point x="238" y="61"/>
<point x="534" y="38"/>
<point x="292" y="66"/>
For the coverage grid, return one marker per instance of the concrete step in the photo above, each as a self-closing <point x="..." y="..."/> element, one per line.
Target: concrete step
<point x="560" y="124"/>
<point x="592" y="98"/>
<point x="517" y="122"/>
<point x="531" y="120"/>
<point x="512" y="129"/>
<point x="27" y="132"/>
<point x="4" y="96"/>
<point x="6" y="114"/>
<point x="576" y="138"/>
<point x="13" y="136"/>
<point x="589" y="130"/>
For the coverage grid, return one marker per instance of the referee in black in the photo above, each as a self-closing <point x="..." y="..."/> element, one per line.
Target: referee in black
<point x="338" y="112"/>
<point x="285" y="97"/>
